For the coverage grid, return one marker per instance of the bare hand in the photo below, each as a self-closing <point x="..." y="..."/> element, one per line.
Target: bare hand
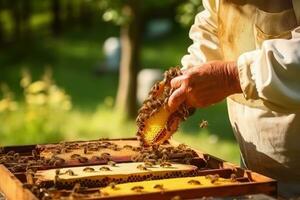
<point x="204" y="85"/>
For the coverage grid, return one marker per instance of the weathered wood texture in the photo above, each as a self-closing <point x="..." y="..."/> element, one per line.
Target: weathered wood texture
<point x="12" y="187"/>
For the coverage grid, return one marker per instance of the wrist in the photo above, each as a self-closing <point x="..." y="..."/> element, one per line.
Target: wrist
<point x="233" y="80"/>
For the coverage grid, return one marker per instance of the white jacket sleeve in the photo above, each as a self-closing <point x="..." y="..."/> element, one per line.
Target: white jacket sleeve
<point x="272" y="73"/>
<point x="203" y="32"/>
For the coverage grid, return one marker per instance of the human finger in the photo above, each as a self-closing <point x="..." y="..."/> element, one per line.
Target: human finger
<point x="177" y="98"/>
<point x="177" y="81"/>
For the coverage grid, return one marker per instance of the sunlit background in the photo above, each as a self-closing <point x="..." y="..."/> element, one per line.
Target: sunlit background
<point x="59" y="70"/>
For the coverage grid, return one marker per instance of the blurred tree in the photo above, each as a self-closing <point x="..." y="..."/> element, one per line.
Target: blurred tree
<point x="1" y="23"/>
<point x="25" y="15"/>
<point x="16" y="7"/>
<point x="70" y="9"/>
<point x="21" y="13"/>
<point x="126" y="14"/>
<point x="187" y="11"/>
<point x="56" y="14"/>
<point x="130" y="16"/>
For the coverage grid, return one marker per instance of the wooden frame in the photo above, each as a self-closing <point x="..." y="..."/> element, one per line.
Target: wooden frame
<point x="12" y="184"/>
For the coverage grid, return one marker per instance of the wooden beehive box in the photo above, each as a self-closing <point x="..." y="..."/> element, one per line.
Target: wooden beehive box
<point x="41" y="172"/>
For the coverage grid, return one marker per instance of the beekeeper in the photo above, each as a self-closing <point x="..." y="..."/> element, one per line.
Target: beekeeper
<point x="248" y="51"/>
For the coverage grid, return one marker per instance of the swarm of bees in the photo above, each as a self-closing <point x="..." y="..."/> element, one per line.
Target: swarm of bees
<point x="162" y="155"/>
<point x="155" y="122"/>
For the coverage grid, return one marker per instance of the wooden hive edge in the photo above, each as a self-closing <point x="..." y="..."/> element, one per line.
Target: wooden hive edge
<point x="12" y="188"/>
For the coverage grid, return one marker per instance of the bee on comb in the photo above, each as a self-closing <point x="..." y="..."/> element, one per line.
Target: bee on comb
<point x="155" y="122"/>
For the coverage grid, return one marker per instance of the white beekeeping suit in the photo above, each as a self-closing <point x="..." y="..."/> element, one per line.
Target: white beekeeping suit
<point x="266" y="46"/>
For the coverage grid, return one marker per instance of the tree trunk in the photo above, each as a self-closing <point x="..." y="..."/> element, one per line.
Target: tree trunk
<point x="70" y="12"/>
<point x="17" y="18"/>
<point x="130" y="53"/>
<point x="26" y="15"/>
<point x="56" y="21"/>
<point x="85" y="13"/>
<point x="1" y="25"/>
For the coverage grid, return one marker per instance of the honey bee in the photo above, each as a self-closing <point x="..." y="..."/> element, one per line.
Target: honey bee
<point x="182" y="146"/>
<point x="158" y="186"/>
<point x="148" y="164"/>
<point x="137" y="188"/>
<point x="29" y="176"/>
<point x="194" y="182"/>
<point x="136" y="148"/>
<point x="233" y="177"/>
<point x="165" y="157"/>
<point x="74" y="156"/>
<point x="16" y="156"/>
<point x="104" y="168"/>
<point x="213" y="178"/>
<point x="70" y="172"/>
<point x="16" y="168"/>
<point x="115" y="148"/>
<point x="82" y="159"/>
<point x="141" y="167"/>
<point x="54" y="151"/>
<point x="165" y="164"/>
<point x="96" y="158"/>
<point x="187" y="161"/>
<point x="203" y="124"/>
<point x="56" y="179"/>
<point x="76" y="188"/>
<point x="58" y="162"/>
<point x="38" y="162"/>
<point x="65" y="150"/>
<point x="10" y="153"/>
<point x="106" y="156"/>
<point x="127" y="146"/>
<point x="34" y="154"/>
<point x="176" y="198"/>
<point x="88" y="169"/>
<point x="85" y="150"/>
<point x="113" y="186"/>
<point x="135" y="158"/>
<point x="57" y="171"/>
<point x="111" y="163"/>
<point x="104" y="194"/>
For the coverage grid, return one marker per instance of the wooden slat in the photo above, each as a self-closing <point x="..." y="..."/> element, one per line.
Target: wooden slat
<point x="218" y="191"/>
<point x="12" y="187"/>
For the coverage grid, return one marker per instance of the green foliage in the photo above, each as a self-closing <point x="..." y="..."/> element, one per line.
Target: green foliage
<point x="112" y="11"/>
<point x="188" y="10"/>
<point x="43" y="111"/>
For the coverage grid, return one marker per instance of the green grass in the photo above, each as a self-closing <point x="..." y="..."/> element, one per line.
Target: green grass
<point x="73" y="58"/>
